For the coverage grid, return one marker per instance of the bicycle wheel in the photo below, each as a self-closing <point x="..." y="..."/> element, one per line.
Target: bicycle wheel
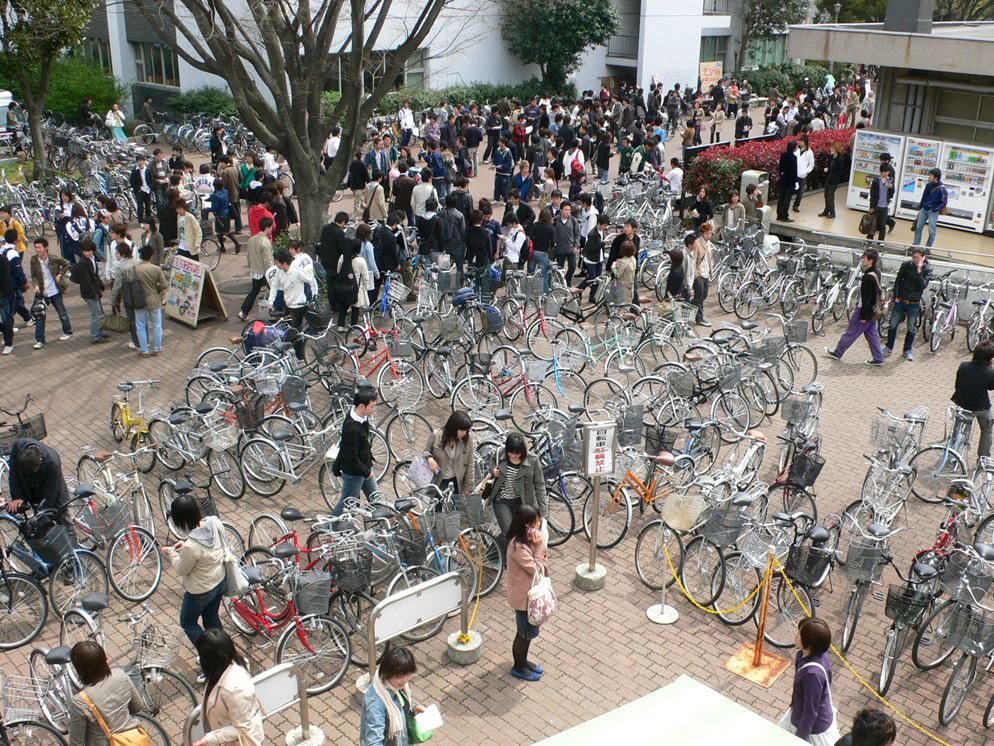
<point x="748" y="300"/>
<point x="703" y="572"/>
<point x="936" y="467"/>
<point x="155" y="732"/>
<point x="53" y="700"/>
<point x="755" y="397"/>
<point x="897" y="635"/>
<point x="23" y="609"/>
<point x="408" y="577"/>
<point x="803" y="364"/>
<point x="731" y="408"/>
<point x="320" y="648"/>
<point x="604" y="395"/>
<point x="146" y="460"/>
<point x="448" y="558"/>
<point x="226" y="474"/>
<point x="818" y="320"/>
<point x="528" y="399"/>
<point x="961" y="681"/>
<point x="615" y="514"/>
<point x="655" y="541"/>
<point x="32" y="733"/>
<point x="134" y="566"/>
<point x="353" y="610"/>
<point x="795" y="499"/>
<point x="741" y="579"/>
<point x="785" y="612"/>
<point x="198" y="386"/>
<point x="267" y="530"/>
<point x="561" y="519"/>
<point x="400" y="384"/>
<point x="407" y="434"/>
<point x="487" y="556"/>
<point x="854" y="608"/>
<point x="932" y="647"/>
<point x="476" y="394"/>
<point x="117" y="427"/>
<point x="162" y="434"/>
<point x="261" y="461"/>
<point x="989" y="714"/>
<point x="80" y="573"/>
<point x="167" y="694"/>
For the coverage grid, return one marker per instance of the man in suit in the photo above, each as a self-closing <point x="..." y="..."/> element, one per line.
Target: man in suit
<point x="788" y="182"/>
<point x="377" y="158"/>
<point x="521" y="210"/>
<point x="141" y="186"/>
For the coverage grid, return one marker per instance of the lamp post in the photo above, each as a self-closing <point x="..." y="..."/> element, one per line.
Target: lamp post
<point x="831" y="63"/>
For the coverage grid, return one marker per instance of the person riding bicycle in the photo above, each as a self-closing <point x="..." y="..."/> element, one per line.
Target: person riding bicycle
<point x="36" y="478"/>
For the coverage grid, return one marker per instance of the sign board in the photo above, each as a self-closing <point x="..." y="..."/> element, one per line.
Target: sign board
<point x="711" y="73"/>
<point x="417" y="605"/>
<point x="599" y="440"/>
<point x="192" y="295"/>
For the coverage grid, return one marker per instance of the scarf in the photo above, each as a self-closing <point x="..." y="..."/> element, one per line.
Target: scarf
<point x="396" y="720"/>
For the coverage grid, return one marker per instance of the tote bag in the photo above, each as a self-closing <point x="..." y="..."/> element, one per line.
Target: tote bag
<point x="236" y="583"/>
<point x="542" y="600"/>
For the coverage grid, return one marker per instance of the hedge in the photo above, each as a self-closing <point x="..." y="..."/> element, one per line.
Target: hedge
<point x="720" y="168"/>
<point x="204" y="100"/>
<point x="73" y="80"/>
<point x="478" y="93"/>
<point x="787" y="77"/>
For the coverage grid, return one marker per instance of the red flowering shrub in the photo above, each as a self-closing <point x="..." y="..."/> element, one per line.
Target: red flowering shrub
<point x="720" y="169"/>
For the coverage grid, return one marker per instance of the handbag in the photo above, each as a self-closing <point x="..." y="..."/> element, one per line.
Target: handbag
<point x="115" y="322"/>
<point x="868" y="224"/>
<point x="236" y="583"/>
<point x="542" y="600"/>
<point x="419" y="473"/>
<point x="133" y="737"/>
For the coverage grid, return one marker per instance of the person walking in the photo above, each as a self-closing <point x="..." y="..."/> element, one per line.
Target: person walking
<point x="232" y="183"/>
<point x="699" y="268"/>
<point x="388" y="701"/>
<point x="354" y="462"/>
<point x="154" y="284"/>
<point x="91" y="289"/>
<point x="259" y="253"/>
<point x="527" y="556"/>
<point x="140" y="182"/>
<point x="232" y="714"/>
<point x="881" y="192"/>
<point x="909" y="286"/>
<point x="50" y="276"/>
<point x="450" y="453"/>
<point x="115" y="122"/>
<point x="7" y="301"/>
<point x="836" y="172"/>
<point x="863" y="321"/>
<point x="503" y="161"/>
<point x="518" y="480"/>
<point x="788" y="182"/>
<point x="593" y="255"/>
<point x="108" y="701"/>
<point x="932" y="204"/>
<point x="199" y="561"/>
<point x="974" y="378"/>
<point x="811" y="716"/>
<point x="568" y="236"/>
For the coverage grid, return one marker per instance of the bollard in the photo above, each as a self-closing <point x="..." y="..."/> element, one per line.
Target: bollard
<point x="661" y="613"/>
<point x="591" y="576"/>
<point x="295" y="737"/>
<point x="465" y="653"/>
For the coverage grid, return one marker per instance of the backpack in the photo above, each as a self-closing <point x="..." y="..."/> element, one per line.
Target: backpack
<point x="343" y="290"/>
<point x="132" y="290"/>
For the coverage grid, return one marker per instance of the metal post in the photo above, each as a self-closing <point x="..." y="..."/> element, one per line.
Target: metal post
<point x="305" y="714"/>
<point x="464" y="610"/>
<point x="661" y="613"/>
<point x="757" y="657"/>
<point x="594" y="521"/>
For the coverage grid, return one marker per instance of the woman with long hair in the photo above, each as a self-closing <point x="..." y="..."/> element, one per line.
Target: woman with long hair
<point x="451" y="453"/>
<point x="231" y="708"/>
<point x="863" y="321"/>
<point x="518" y="481"/>
<point x="526" y="557"/>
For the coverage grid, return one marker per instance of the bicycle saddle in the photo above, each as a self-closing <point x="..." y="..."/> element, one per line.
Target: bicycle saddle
<point x="58" y="656"/>
<point x="102" y="456"/>
<point x="444" y="351"/>
<point x="125" y="386"/>
<point x="923" y="571"/>
<point x="285" y="551"/>
<point x="782" y="517"/>
<point x="84" y="490"/>
<point x="291" y="514"/>
<point x="807" y="444"/>
<point x="217" y="367"/>
<point x="878" y="530"/>
<point x="94" y="602"/>
<point x="282" y="346"/>
<point x="178" y="418"/>
<point x="741" y="499"/>
<point x="253" y="575"/>
<point x="352" y="346"/>
<point x="281" y="435"/>
<point x="986" y="551"/>
<point x="748" y="325"/>
<point x="365" y="309"/>
<point x="381" y="512"/>
<point x="203" y="408"/>
<point x="694" y="424"/>
<point x="402" y="506"/>
<point x="721" y="339"/>
<point x="297" y="406"/>
<point x="520" y="296"/>
<point x="524" y="352"/>
<point x="945" y="304"/>
<point x="574" y="408"/>
<point x="418" y="319"/>
<point x="184" y="487"/>
<point x="819" y="534"/>
<point x="979" y="302"/>
<point x="503" y="415"/>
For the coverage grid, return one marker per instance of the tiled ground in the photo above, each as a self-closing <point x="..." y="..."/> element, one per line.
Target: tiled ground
<point x="600" y="651"/>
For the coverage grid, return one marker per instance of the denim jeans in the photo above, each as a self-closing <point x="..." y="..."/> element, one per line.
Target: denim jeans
<point x="441" y="188"/>
<point x="932" y="218"/>
<point x="540" y="259"/>
<point x="200" y="606"/>
<point x="96" y="311"/>
<point x="60" y="307"/>
<point x="7" y="321"/>
<point x="899" y="312"/>
<point x="351" y="485"/>
<point x="142" y="317"/>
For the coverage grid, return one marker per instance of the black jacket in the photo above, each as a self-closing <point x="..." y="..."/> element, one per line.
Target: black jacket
<point x="869" y="287"/>
<point x="875" y="192"/>
<point x="478" y="246"/>
<point x="428" y="240"/>
<point x="332" y="245"/>
<point x="973" y="381"/>
<point x="593" y="249"/>
<point x="168" y="224"/>
<point x="788" y="172"/>
<point x="910" y="284"/>
<point x="358" y="175"/>
<point x="6" y="277"/>
<point x="385" y="249"/>
<point x="464" y="203"/>
<point x="217" y="148"/>
<point x="135" y="180"/>
<point x="355" y="456"/>
<point x="544" y="236"/>
<point x="612" y="256"/>
<point x="524" y="213"/>
<point x="45" y="490"/>
<point x="838" y="170"/>
<point x="85" y="275"/>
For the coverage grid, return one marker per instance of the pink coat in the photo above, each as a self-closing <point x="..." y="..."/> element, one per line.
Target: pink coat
<point x="523" y="560"/>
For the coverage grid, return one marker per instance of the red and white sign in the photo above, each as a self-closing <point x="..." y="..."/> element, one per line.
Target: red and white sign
<point x="598" y="448"/>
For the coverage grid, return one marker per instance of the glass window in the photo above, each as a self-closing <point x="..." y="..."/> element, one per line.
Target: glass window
<point x="157" y="64"/>
<point x="984" y="136"/>
<point x="986" y="109"/>
<point x="954" y="132"/>
<point x="957" y="104"/>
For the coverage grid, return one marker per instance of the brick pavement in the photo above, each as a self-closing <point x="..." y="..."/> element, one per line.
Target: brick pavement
<point x="599" y="651"/>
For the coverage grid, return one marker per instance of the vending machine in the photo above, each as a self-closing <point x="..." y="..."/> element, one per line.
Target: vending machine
<point x="966" y="172"/>
<point x="920" y="156"/>
<point x="867" y="147"/>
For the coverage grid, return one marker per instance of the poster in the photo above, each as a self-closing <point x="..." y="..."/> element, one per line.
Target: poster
<point x="186" y="284"/>
<point x="966" y="172"/>
<point x="920" y="155"/>
<point x="710" y="74"/>
<point x="866" y="164"/>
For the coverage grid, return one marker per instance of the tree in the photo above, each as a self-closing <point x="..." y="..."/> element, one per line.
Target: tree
<point x="33" y="35"/>
<point x="964" y="10"/>
<point x="853" y="11"/>
<point x="554" y="33"/>
<point x="765" y="17"/>
<point x="276" y="56"/>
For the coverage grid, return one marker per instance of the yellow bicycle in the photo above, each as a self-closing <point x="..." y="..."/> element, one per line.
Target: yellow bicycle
<point x="128" y="423"/>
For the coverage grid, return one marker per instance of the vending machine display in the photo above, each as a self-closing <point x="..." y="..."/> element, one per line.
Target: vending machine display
<point x="920" y="156"/>
<point x="966" y="172"/>
<point x="866" y="164"/>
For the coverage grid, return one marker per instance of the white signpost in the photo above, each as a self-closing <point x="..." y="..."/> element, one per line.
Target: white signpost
<point x="599" y="442"/>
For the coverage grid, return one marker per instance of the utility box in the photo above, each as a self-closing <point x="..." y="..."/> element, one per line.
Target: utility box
<point x="765" y="216"/>
<point x="760" y="178"/>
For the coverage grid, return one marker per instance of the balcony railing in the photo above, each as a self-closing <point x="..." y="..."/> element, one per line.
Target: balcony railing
<point x="623" y="46"/>
<point x="717" y="7"/>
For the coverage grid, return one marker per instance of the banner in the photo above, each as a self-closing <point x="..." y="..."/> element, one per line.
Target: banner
<point x="711" y="73"/>
<point x="192" y="295"/>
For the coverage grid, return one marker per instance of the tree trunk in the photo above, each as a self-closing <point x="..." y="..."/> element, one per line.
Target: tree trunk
<point x="39" y="153"/>
<point x="311" y="206"/>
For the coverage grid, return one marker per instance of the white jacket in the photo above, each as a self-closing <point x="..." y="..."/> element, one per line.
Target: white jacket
<point x="292" y="283"/>
<point x="232" y="711"/>
<point x="805" y="163"/>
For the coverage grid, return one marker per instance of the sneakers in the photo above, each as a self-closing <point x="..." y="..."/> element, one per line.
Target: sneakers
<point x="887" y="351"/>
<point x="64" y="337"/>
<point x="38" y="345"/>
<point x="525" y="675"/>
<point x="7" y="350"/>
<point x="832" y="353"/>
<point x="242" y="316"/>
<point x="873" y="362"/>
<point x="30" y="322"/>
<point x="909" y="355"/>
<point x="133" y="346"/>
<point x="704" y="323"/>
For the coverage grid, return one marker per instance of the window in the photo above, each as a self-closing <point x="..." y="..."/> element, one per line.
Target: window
<point x="766" y="50"/>
<point x="156" y="63"/>
<point x="964" y="116"/>
<point x="413" y="75"/>
<point x="96" y="51"/>
<point x="714" y="48"/>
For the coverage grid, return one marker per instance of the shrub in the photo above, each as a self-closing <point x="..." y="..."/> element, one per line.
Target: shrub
<point x="204" y="100"/>
<point x="73" y="80"/>
<point x="720" y="168"/>
<point x="478" y="93"/>
<point x="787" y="77"/>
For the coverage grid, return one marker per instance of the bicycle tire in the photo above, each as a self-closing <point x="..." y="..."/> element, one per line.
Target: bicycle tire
<point x="935" y="466"/>
<point x="165" y="691"/>
<point x="134" y="551"/>
<point x="145" y="462"/>
<point x="476" y="394"/>
<point x="117" y="428"/>
<point x="748" y="300"/>
<point x="651" y="564"/>
<point x="740" y="581"/>
<point x="23" y="609"/>
<point x="267" y="531"/>
<point x="938" y="622"/>
<point x="989" y="713"/>
<point x="854" y="608"/>
<point x="803" y="364"/>
<point x="27" y="733"/>
<point x="80" y="573"/>
<point x="354" y="609"/>
<point x="731" y="407"/>
<point x="53" y="701"/>
<point x="168" y="455"/>
<point x="703" y="571"/>
<point x="255" y="458"/>
<point x="487" y="554"/>
<point x="896" y="637"/>
<point x="400" y="383"/>
<point x="604" y="394"/>
<point x="615" y="515"/>
<point x="785" y="612"/>
<point x="961" y="681"/>
<point x="226" y="474"/>
<point x="561" y="519"/>
<point x="155" y="732"/>
<point x="539" y="337"/>
<point x="527" y="399"/>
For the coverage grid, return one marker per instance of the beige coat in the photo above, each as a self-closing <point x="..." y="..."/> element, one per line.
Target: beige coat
<point x="363" y="278"/>
<point x="200" y="561"/>
<point x="523" y="561"/>
<point x="624" y="270"/>
<point x="231" y="711"/>
<point x="259" y="252"/>
<point x="154" y="282"/>
<point x="115" y="698"/>
<point x="374" y="199"/>
<point x="461" y="463"/>
<point x="194" y="234"/>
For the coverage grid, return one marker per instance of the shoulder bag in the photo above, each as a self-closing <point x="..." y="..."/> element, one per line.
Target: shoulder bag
<point x="868" y="223"/>
<point x="542" y="601"/>
<point x="877" y="312"/>
<point x="132" y="290"/>
<point x="236" y="584"/>
<point x="134" y="737"/>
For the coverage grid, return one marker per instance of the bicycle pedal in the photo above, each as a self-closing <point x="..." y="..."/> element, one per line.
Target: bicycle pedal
<point x="816" y="602"/>
<point x="879" y="595"/>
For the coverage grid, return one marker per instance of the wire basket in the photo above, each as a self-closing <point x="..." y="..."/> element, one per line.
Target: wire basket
<point x="724" y="524"/>
<point x="157" y="648"/>
<point x="267" y="384"/>
<point x="493" y="320"/>
<point x="33" y="427"/>
<point x="453" y="326"/>
<point x="221" y="436"/>
<point x="552" y="307"/>
<point x="757" y="544"/>
<point x="769" y="348"/>
<point x="108" y="521"/>
<point x="682" y="383"/>
<point x="21" y="698"/>
<point x="569" y="358"/>
<point x="54" y="546"/>
<point x="886" y="433"/>
<point x="796" y="331"/>
<point x="905" y="605"/>
<point x="806" y="563"/>
<point x="532" y="285"/>
<point x="445" y="525"/>
<point x="398" y="291"/>
<point x="797" y="409"/>
<point x="865" y="560"/>
<point x="313" y="594"/>
<point x="295" y="389"/>
<point x="682" y="510"/>
<point x="683" y="312"/>
<point x="449" y="282"/>
<point x="965" y="579"/>
<point x="659" y="438"/>
<point x="472" y="509"/>
<point x="428" y="297"/>
<point x="412" y="552"/>
<point x="352" y="567"/>
<point x="535" y="370"/>
<point x="400" y="348"/>
<point x="728" y="376"/>
<point x="971" y="630"/>
<point x="630" y="425"/>
<point x="805" y="468"/>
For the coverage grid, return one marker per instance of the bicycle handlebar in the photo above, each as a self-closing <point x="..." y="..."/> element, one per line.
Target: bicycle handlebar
<point x="27" y="400"/>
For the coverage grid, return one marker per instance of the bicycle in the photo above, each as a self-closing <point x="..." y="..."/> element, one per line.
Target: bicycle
<point x="945" y="313"/>
<point x="23" y="606"/>
<point x="129" y="423"/>
<point x="111" y="486"/>
<point x="938" y="464"/>
<point x="21" y="723"/>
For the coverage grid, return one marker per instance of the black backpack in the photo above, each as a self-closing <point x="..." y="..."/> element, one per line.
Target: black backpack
<point x="343" y="289"/>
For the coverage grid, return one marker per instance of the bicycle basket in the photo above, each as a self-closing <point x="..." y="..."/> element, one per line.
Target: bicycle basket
<point x="449" y="282"/>
<point x="630" y="425"/>
<point x="488" y="283"/>
<point x="886" y="433"/>
<point x="267" y="385"/>
<point x="452" y="325"/>
<point x="157" y="649"/>
<point x="33" y="427"/>
<point x="571" y="359"/>
<point x="729" y="376"/>
<point x="864" y="560"/>
<point x="552" y="307"/>
<point x="493" y="320"/>
<point x="614" y="292"/>
<point x="445" y="525"/>
<point x="796" y="331"/>
<point x="659" y="438"/>
<point x="398" y="291"/>
<point x="905" y="605"/>
<point x="400" y="348"/>
<point x="108" y="521"/>
<point x="682" y="510"/>
<point x="971" y="630"/>
<point x="757" y="544"/>
<point x="683" y="312"/>
<point x="535" y="370"/>
<point x="313" y="594"/>
<point x="805" y="468"/>
<point x="797" y="409"/>
<point x="428" y="297"/>
<point x="724" y="524"/>
<point x="682" y="383"/>
<point x="532" y="286"/>
<point x="806" y="563"/>
<point x="769" y="349"/>
<point x="295" y="389"/>
<point x="54" y="546"/>
<point x="787" y="264"/>
<point x="221" y="436"/>
<point x="965" y="579"/>
<point x="472" y="509"/>
<point x="20" y="697"/>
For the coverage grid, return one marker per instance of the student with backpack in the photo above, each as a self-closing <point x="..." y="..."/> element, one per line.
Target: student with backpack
<point x="385" y="251"/>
